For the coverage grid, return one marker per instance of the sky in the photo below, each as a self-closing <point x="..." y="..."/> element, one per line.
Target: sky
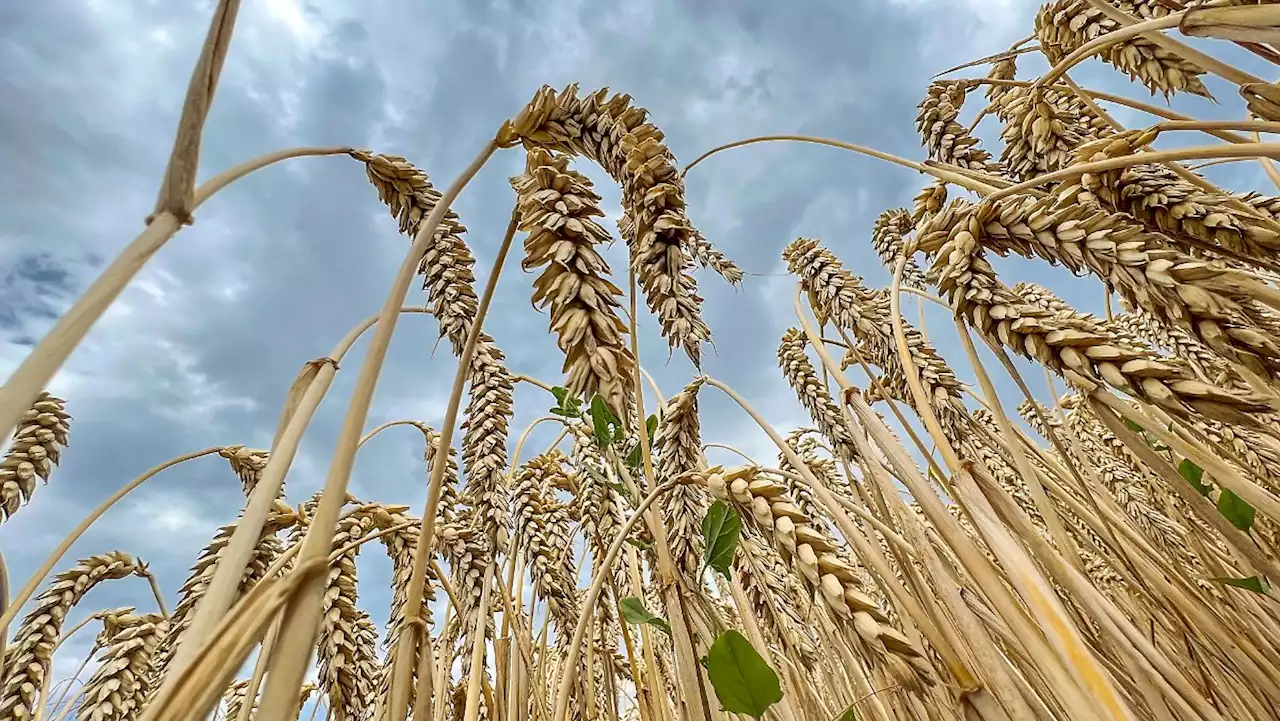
<point x="202" y="346"/>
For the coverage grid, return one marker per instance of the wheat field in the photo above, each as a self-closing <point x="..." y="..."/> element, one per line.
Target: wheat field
<point x="920" y="551"/>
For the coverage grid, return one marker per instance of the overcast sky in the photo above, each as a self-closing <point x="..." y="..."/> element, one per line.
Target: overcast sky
<point x="201" y="348"/>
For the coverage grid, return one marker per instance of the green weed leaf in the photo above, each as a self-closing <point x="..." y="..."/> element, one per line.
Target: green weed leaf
<point x="1193" y="473"/>
<point x="720" y="530"/>
<point x="1236" y="509"/>
<point x="633" y="611"/>
<point x="743" y="681"/>
<point x="1253" y="583"/>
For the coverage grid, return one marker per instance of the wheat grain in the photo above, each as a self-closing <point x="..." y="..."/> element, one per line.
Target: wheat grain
<point x="1165" y="203"/>
<point x="534" y="511"/>
<point x="946" y="139"/>
<point x="1074" y="345"/>
<point x="484" y="440"/>
<point x="813" y="555"/>
<point x="886" y="238"/>
<point x="708" y="256"/>
<point x="803" y="379"/>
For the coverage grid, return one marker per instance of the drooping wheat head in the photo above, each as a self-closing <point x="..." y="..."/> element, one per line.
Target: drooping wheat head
<point x="618" y="137"/>
<point x="36" y="447"/>
<point x="29" y="658"/>
<point x="118" y="688"/>
<point x="557" y="206"/>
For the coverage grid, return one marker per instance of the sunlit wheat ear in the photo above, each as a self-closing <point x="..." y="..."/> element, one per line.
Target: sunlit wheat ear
<point x="193" y="588"/>
<point x="539" y="535"/>
<point x="806" y="446"/>
<point x="484" y="440"/>
<point x="446" y="267"/>
<point x="1041" y="128"/>
<point x="1004" y="69"/>
<point x="928" y="202"/>
<point x="1064" y="25"/>
<point x="1208" y="365"/>
<point x="1165" y="203"/>
<point x="1073" y="345"/>
<point x="464" y="544"/>
<point x="557" y="206"/>
<point x="617" y="136"/>
<point x="677" y="448"/>
<point x="29" y="656"/>
<point x="775" y="595"/>
<point x="838" y="296"/>
<point x="1215" y="304"/>
<point x="234" y="697"/>
<point x="1131" y="492"/>
<point x="804" y="380"/>
<point x="247" y="464"/>
<point x="708" y="256"/>
<point x="886" y="238"/>
<point x="814" y="555"/>
<point x="118" y="689"/>
<point x="941" y="133"/>
<point x="401" y="546"/>
<point x="346" y="662"/>
<point x="37" y="444"/>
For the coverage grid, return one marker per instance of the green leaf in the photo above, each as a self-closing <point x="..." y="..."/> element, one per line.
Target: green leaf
<point x="603" y="421"/>
<point x="742" y="679"/>
<point x="634" y="458"/>
<point x="1236" y="509"/>
<point x="720" y="529"/>
<point x="566" y="405"/>
<point x="640" y="544"/>
<point x="1193" y="473"/>
<point x="848" y="715"/>
<point x="651" y="427"/>
<point x="633" y="611"/>
<point x="597" y="475"/>
<point x="1252" y="583"/>
<point x="1131" y="425"/>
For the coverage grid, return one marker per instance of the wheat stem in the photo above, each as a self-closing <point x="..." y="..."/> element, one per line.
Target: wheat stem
<point x="279" y="697"/>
